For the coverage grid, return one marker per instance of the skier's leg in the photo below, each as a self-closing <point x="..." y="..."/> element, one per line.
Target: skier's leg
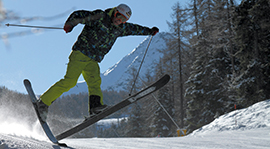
<point x="74" y="69"/>
<point x="91" y="74"/>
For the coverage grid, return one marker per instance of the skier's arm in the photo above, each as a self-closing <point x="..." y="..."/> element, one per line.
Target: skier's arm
<point x="82" y="17"/>
<point x="135" y="29"/>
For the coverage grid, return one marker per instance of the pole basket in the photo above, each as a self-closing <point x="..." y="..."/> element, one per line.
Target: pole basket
<point x="181" y="132"/>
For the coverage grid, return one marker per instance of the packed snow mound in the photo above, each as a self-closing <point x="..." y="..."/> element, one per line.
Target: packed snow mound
<point x="255" y="116"/>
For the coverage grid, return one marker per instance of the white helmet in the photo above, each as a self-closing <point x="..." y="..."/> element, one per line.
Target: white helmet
<point x="124" y="10"/>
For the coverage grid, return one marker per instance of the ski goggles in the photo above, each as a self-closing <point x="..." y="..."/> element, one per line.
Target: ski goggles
<point x="120" y="17"/>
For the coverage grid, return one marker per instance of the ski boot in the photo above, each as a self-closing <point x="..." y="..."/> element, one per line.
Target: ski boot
<point x="95" y="107"/>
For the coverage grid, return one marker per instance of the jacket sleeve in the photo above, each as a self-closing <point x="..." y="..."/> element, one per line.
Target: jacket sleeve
<point x="135" y="29"/>
<point x="84" y="17"/>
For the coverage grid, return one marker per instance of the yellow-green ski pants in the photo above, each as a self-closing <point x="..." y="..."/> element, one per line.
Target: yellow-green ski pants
<point x="78" y="64"/>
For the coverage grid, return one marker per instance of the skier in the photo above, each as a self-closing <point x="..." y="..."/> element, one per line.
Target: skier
<point x="101" y="29"/>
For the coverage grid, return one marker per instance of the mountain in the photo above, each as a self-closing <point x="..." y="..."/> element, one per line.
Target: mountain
<point x="116" y="77"/>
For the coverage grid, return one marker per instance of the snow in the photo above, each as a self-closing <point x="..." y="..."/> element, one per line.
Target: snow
<point x="241" y="129"/>
<point x="106" y="123"/>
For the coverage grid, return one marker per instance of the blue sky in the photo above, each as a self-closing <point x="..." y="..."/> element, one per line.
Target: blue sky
<point x="42" y="57"/>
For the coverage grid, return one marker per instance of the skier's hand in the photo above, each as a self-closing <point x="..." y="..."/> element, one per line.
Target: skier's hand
<point x="68" y="28"/>
<point x="154" y="30"/>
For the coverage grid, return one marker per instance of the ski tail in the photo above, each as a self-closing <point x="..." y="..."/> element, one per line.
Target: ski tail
<point x="44" y="125"/>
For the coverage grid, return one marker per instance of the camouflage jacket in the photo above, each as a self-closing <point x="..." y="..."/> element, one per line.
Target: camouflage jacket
<point x="99" y="32"/>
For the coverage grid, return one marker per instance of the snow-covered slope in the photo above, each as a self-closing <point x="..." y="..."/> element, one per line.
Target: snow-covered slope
<point x="253" y="117"/>
<point x="241" y="129"/>
<point x="116" y="76"/>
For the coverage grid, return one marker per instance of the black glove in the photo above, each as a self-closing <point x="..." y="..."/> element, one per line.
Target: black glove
<point x="154" y="30"/>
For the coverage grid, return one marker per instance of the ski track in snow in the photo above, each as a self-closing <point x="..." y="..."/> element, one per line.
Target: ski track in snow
<point x="241" y="129"/>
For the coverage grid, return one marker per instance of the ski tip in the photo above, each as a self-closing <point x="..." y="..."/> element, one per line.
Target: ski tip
<point x="167" y="76"/>
<point x="165" y="79"/>
<point x="26" y="81"/>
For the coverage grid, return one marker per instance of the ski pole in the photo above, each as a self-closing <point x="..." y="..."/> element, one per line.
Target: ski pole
<point x="140" y="65"/>
<point x="178" y="128"/>
<point x="45" y="27"/>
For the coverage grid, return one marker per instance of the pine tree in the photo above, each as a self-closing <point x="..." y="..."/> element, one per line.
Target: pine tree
<point x="177" y="57"/>
<point x="136" y="122"/>
<point x="252" y="27"/>
<point x="207" y="91"/>
<point x="162" y="124"/>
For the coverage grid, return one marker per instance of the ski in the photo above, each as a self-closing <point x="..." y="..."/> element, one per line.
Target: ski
<point x="44" y="125"/>
<point x="129" y="100"/>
